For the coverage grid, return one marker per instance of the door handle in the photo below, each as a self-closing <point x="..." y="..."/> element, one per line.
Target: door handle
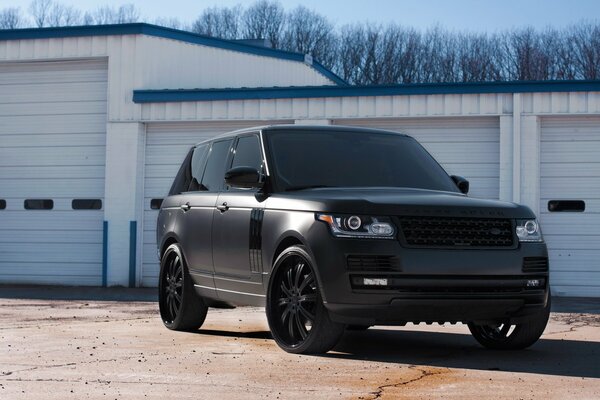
<point x="185" y="207"/>
<point x="223" y="207"/>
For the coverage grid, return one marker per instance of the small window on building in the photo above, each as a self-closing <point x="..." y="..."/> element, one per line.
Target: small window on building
<point x="566" y="206"/>
<point x="155" y="204"/>
<point x="2" y="204"/>
<point x="86" y="204"/>
<point x="39" y="204"/>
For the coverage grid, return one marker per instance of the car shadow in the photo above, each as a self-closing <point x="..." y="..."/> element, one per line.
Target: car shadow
<point x="453" y="350"/>
<point x="245" y="335"/>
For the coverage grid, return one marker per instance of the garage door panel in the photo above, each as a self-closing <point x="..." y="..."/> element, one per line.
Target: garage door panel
<point x="51" y="236"/>
<point x="576" y="187"/>
<point x="72" y="156"/>
<point x="167" y="155"/>
<point x="51" y="252"/>
<point x="53" y="219"/>
<point x="573" y="241"/>
<point x="79" y="123"/>
<point x="54" y="172"/>
<point x="51" y="108"/>
<point x="457" y="153"/>
<point x="570" y="169"/>
<point x="48" y="188"/>
<point x="48" y="141"/>
<point x="52" y="146"/>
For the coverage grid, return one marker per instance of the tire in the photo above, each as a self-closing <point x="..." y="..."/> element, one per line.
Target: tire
<point x="504" y="336"/>
<point x="181" y="308"/>
<point x="298" y="320"/>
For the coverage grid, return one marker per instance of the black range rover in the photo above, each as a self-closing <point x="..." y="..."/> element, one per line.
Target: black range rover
<point x="333" y="227"/>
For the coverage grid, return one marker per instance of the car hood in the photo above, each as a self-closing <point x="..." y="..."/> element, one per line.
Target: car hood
<point x="395" y="201"/>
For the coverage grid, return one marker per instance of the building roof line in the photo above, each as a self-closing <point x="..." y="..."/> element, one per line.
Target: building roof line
<point x="179" y="95"/>
<point x="167" y="33"/>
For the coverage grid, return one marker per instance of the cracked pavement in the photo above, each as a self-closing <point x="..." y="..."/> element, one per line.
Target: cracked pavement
<point x="93" y="348"/>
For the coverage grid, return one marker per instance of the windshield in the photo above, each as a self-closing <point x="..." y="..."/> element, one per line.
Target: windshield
<point x="304" y="159"/>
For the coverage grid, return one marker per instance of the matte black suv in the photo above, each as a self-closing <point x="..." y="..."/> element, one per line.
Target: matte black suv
<point x="335" y="227"/>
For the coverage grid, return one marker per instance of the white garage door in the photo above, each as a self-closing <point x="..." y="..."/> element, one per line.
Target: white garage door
<point x="570" y="170"/>
<point x="52" y="156"/>
<point x="166" y="147"/>
<point x="469" y="147"/>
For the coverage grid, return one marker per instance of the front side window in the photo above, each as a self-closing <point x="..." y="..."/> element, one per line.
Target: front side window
<point x="353" y="159"/>
<point x="214" y="173"/>
<point x="247" y="153"/>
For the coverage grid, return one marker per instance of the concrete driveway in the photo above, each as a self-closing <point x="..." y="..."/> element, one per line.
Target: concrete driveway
<point x="107" y="344"/>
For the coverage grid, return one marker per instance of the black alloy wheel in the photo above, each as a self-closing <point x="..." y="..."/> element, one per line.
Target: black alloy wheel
<point x="181" y="308"/>
<point x="298" y="320"/>
<point x="505" y="335"/>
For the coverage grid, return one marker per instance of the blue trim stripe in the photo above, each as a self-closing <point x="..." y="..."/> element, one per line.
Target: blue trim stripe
<point x="178" y="95"/>
<point x="104" y="253"/>
<point x="132" y="252"/>
<point x="167" y="33"/>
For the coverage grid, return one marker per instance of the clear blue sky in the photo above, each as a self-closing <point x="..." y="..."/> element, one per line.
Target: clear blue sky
<point x="473" y="15"/>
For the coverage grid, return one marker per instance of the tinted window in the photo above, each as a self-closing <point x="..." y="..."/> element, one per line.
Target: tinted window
<point x="350" y="159"/>
<point x="197" y="167"/>
<point x="184" y="176"/>
<point x="86" y="204"/>
<point x="214" y="173"/>
<point x="2" y="204"/>
<point x="38" y="204"/>
<point x="247" y="153"/>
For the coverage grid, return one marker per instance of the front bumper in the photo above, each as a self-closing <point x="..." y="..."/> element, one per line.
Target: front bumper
<point x="426" y="285"/>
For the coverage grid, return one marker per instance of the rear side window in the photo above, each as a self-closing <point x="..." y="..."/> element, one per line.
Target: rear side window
<point x="184" y="176"/>
<point x="247" y="153"/>
<point x="214" y="173"/>
<point x="197" y="167"/>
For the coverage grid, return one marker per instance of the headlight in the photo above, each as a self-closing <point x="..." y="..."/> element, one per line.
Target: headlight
<point x="359" y="226"/>
<point x="528" y="230"/>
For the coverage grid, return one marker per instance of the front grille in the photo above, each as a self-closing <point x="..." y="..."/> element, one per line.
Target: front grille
<point x="535" y="264"/>
<point x="358" y="262"/>
<point x="457" y="232"/>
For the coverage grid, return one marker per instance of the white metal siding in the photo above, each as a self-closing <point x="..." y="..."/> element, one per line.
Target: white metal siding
<point x="166" y="147"/>
<point x="570" y="169"/>
<point x="52" y="146"/>
<point x="469" y="147"/>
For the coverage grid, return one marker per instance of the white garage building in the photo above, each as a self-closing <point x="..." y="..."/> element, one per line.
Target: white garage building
<point x="94" y="122"/>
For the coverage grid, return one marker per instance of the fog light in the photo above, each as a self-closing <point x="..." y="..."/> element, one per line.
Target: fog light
<point x="375" y="282"/>
<point x="534" y="282"/>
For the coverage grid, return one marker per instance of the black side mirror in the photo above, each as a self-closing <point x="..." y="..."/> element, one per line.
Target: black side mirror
<point x="243" y="177"/>
<point x="461" y="183"/>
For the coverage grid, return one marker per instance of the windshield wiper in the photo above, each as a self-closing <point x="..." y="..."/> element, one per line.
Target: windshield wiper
<point x="302" y="187"/>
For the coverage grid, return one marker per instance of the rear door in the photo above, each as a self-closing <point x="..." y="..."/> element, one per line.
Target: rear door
<point x="198" y="205"/>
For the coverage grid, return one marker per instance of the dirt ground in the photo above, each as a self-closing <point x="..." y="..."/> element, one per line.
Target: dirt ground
<point x="78" y="349"/>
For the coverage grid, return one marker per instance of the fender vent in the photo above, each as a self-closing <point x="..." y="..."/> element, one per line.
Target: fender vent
<point x="256" y="221"/>
<point x="535" y="264"/>
<point x="358" y="262"/>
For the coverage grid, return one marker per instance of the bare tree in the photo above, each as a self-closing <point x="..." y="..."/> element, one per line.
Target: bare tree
<point x="39" y="10"/>
<point x="124" y="14"/>
<point x="173" y="23"/>
<point x="264" y="20"/>
<point x="219" y="22"/>
<point x="61" y="15"/>
<point x="308" y="32"/>
<point x="585" y="38"/>
<point x="11" y="18"/>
